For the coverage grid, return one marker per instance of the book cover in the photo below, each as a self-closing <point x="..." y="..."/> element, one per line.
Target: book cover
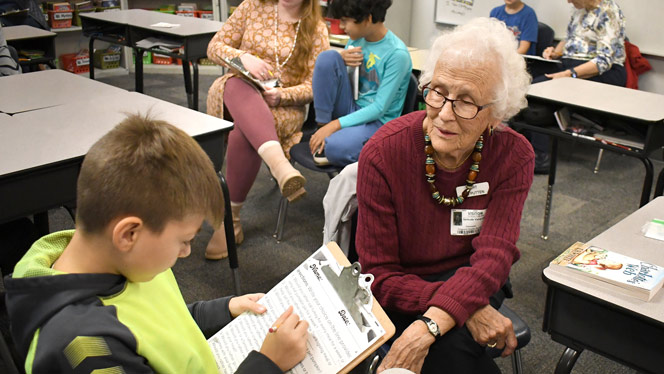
<point x="637" y="278"/>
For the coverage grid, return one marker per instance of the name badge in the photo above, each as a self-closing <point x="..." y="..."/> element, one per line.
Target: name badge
<point x="477" y="190"/>
<point x="466" y="221"/>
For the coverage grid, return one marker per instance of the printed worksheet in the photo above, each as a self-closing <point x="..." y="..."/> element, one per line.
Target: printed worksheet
<point x="337" y="333"/>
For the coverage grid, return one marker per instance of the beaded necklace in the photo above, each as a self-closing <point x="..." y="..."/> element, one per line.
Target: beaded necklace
<point x="276" y="44"/>
<point x="430" y="172"/>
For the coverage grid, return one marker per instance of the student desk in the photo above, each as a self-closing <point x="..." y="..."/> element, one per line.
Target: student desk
<point x="127" y="27"/>
<point x="636" y="110"/>
<point x="41" y="151"/>
<point x="47" y="88"/>
<point x="28" y="37"/>
<point x="581" y="313"/>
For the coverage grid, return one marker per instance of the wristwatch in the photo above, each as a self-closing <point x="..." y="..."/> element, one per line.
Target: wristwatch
<point x="431" y="325"/>
<point x="571" y="70"/>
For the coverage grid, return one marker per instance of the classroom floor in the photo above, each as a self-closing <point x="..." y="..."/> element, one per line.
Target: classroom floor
<point x="584" y="205"/>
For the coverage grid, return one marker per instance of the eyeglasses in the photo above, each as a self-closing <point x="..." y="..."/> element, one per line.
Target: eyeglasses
<point x="463" y="109"/>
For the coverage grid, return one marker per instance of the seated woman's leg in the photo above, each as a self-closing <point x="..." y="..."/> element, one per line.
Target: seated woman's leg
<point x="333" y="94"/>
<point x="616" y="76"/>
<point x="344" y="146"/>
<point x="253" y="138"/>
<point x="253" y="118"/>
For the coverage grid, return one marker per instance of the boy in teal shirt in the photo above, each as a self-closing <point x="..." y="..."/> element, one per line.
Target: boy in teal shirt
<point x="384" y="67"/>
<point x="103" y="298"/>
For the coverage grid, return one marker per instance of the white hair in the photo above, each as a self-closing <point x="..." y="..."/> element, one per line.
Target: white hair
<point x="485" y="42"/>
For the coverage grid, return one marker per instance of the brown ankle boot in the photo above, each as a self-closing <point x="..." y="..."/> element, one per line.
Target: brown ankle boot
<point x="217" y="247"/>
<point x="290" y="180"/>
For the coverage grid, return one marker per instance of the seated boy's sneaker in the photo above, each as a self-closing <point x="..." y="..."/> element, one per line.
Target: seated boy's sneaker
<point x="320" y="159"/>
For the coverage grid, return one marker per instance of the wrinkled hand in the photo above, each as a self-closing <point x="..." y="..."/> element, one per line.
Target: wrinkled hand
<point x="410" y="349"/>
<point x="352" y="56"/>
<point x="317" y="141"/>
<point x="257" y="67"/>
<point x="548" y="53"/>
<point x="488" y="326"/>
<point x="272" y="96"/>
<point x="287" y="346"/>
<point x="560" y="74"/>
<point x="248" y="302"/>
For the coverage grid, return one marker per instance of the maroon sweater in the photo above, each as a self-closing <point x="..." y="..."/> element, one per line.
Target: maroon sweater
<point x="404" y="235"/>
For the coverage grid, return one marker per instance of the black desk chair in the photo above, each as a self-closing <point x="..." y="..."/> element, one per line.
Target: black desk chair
<point x="659" y="187"/>
<point x="545" y="36"/>
<point x="301" y="154"/>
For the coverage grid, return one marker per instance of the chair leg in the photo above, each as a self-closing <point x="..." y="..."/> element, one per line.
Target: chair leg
<point x="517" y="367"/>
<point x="599" y="159"/>
<point x="281" y="219"/>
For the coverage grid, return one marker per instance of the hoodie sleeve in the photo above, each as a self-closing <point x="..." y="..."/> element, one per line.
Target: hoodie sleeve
<point x="212" y="315"/>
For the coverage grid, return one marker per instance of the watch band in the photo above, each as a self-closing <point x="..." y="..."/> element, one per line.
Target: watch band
<point x="432" y="326"/>
<point x="571" y="70"/>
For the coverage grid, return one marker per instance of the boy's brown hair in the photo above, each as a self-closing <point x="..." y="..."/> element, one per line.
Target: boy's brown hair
<point x="149" y="169"/>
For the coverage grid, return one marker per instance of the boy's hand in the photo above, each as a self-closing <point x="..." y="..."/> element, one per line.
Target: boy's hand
<point x="352" y="56"/>
<point x="286" y="346"/>
<point x="317" y="141"/>
<point x="248" y="302"/>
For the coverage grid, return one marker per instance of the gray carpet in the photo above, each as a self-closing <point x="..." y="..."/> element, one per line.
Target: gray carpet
<point x="584" y="205"/>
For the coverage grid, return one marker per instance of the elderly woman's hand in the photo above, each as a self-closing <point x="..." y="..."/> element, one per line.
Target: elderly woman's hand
<point x="410" y="349"/>
<point x="489" y="327"/>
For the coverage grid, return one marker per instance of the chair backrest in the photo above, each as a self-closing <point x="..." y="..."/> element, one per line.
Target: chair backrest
<point x="544" y="38"/>
<point x="411" y="96"/>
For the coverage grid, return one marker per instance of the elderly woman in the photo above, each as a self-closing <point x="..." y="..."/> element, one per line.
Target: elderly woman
<point x="595" y="45"/>
<point x="440" y="195"/>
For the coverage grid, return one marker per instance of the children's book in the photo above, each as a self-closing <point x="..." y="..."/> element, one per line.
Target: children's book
<point x="346" y="323"/>
<point x="630" y="276"/>
<point x="235" y="65"/>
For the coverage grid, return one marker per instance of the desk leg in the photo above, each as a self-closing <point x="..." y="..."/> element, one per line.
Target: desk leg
<point x="91" y="56"/>
<point x="567" y="361"/>
<point x="230" y="234"/>
<point x="195" y="84"/>
<point x="139" y="70"/>
<point x="659" y="188"/>
<point x="553" y="148"/>
<point x="187" y="83"/>
<point x="647" y="181"/>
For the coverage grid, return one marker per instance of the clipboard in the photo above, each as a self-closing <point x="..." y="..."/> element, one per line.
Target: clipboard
<point x="376" y="309"/>
<point x="312" y="284"/>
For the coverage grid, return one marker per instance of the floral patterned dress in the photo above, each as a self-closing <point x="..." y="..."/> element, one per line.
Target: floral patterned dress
<point x="251" y="29"/>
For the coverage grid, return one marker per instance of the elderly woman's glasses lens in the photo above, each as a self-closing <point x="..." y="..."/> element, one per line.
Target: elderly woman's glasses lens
<point x="463" y="109"/>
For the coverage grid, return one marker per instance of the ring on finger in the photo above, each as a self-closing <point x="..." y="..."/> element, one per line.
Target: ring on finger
<point x="492" y="345"/>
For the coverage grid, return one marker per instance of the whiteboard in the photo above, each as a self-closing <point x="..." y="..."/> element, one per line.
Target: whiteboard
<point x="644" y="19"/>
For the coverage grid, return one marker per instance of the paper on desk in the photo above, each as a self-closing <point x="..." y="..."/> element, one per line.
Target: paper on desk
<point x="153" y="42"/>
<point x="334" y="340"/>
<point x="165" y="25"/>
<point x="654" y="229"/>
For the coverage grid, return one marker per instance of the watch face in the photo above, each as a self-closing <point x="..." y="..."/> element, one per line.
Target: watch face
<point x="433" y="328"/>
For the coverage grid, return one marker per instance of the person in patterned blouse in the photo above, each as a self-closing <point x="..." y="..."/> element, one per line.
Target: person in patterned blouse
<point x="595" y="44"/>
<point x="276" y="40"/>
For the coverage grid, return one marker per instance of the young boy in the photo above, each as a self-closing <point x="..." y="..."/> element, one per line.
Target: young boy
<point x="103" y="297"/>
<point x="522" y="20"/>
<point x="384" y="73"/>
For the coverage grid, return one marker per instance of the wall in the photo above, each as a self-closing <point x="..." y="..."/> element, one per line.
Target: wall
<point x="423" y="30"/>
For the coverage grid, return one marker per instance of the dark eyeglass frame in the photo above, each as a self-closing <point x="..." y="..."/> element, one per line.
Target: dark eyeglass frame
<point x="452" y="101"/>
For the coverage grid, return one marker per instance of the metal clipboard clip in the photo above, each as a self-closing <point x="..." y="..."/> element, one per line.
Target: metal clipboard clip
<point x="353" y="289"/>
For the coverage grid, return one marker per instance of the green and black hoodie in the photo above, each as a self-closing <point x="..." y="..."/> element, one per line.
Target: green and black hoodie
<point x="80" y="323"/>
